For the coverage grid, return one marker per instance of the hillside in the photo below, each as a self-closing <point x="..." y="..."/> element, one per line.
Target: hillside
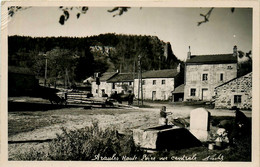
<point x="83" y="56"/>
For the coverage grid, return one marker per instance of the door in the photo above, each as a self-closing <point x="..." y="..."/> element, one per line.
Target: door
<point x="153" y="95"/>
<point x="205" y="94"/>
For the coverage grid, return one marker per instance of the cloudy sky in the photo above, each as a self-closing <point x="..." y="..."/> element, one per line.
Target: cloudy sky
<point x="175" y="25"/>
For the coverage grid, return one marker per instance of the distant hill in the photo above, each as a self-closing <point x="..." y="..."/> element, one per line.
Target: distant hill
<point x="100" y="53"/>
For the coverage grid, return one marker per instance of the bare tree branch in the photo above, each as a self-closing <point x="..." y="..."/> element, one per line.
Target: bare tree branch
<point x="120" y="9"/>
<point x="206" y="17"/>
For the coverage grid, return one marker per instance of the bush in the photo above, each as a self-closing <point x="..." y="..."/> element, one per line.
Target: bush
<point x="86" y="144"/>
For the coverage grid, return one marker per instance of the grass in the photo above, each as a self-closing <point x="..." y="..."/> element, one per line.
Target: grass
<point x="22" y="121"/>
<point x="29" y="122"/>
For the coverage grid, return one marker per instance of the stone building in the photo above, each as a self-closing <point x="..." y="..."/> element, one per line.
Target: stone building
<point x="205" y="72"/>
<point x="122" y="83"/>
<point x="178" y="93"/>
<point x="236" y="92"/>
<point x="105" y="87"/>
<point x="157" y="84"/>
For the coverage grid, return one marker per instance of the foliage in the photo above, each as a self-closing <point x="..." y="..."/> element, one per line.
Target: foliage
<point x="65" y="16"/>
<point x="244" y="63"/>
<point x="12" y="10"/>
<point x="86" y="144"/>
<point x="60" y="61"/>
<point x="150" y="48"/>
<point x="83" y="10"/>
<point x="122" y="54"/>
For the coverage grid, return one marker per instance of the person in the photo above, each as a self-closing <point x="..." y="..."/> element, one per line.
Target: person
<point x="163" y="116"/>
<point x="130" y="98"/>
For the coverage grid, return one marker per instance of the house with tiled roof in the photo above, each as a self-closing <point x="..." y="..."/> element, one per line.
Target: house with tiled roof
<point x="236" y="92"/>
<point x="158" y="84"/>
<point x="100" y="85"/>
<point x="205" y="72"/>
<point x="122" y="83"/>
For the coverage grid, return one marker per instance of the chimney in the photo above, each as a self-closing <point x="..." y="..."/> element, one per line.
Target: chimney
<point x="235" y="51"/>
<point x="189" y="54"/>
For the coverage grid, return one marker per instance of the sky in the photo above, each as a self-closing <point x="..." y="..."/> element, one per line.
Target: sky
<point x="171" y="24"/>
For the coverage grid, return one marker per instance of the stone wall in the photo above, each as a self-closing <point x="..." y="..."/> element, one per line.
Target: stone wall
<point x="205" y="89"/>
<point x="161" y="91"/>
<point x="225" y="94"/>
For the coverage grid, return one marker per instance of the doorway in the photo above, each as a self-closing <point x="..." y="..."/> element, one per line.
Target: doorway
<point x="205" y="94"/>
<point x="153" y="95"/>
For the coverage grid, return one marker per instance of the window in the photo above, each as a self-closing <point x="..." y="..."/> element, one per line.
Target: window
<point x="163" y="82"/>
<point x="143" y="82"/>
<point x="192" y="92"/>
<point x="237" y="99"/>
<point x="96" y="91"/>
<point x="193" y="76"/>
<point x="154" y="82"/>
<point x="229" y="67"/>
<point x="113" y="85"/>
<point x="221" y="77"/>
<point x="204" y="77"/>
<point x="130" y="83"/>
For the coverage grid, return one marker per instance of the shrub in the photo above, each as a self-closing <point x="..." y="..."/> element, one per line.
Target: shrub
<point x="86" y="144"/>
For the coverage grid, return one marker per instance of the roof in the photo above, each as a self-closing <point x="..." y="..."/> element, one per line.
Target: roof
<point x="232" y="80"/>
<point x="212" y="59"/>
<point x="107" y="75"/>
<point x="179" y="89"/>
<point x="122" y="77"/>
<point x="168" y="73"/>
<point x="20" y="70"/>
<point x="89" y="80"/>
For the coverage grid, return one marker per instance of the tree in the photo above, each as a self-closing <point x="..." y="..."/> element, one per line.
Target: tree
<point x="244" y="63"/>
<point x="61" y="65"/>
<point x="85" y="64"/>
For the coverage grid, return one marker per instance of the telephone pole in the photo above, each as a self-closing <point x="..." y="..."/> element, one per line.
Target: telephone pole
<point x="140" y="81"/>
<point x="45" y="71"/>
<point x="133" y="90"/>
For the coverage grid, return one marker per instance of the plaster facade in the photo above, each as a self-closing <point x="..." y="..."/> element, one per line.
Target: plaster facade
<point x="155" y="88"/>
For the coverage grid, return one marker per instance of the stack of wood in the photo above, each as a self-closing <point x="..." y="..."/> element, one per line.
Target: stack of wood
<point x="78" y="98"/>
